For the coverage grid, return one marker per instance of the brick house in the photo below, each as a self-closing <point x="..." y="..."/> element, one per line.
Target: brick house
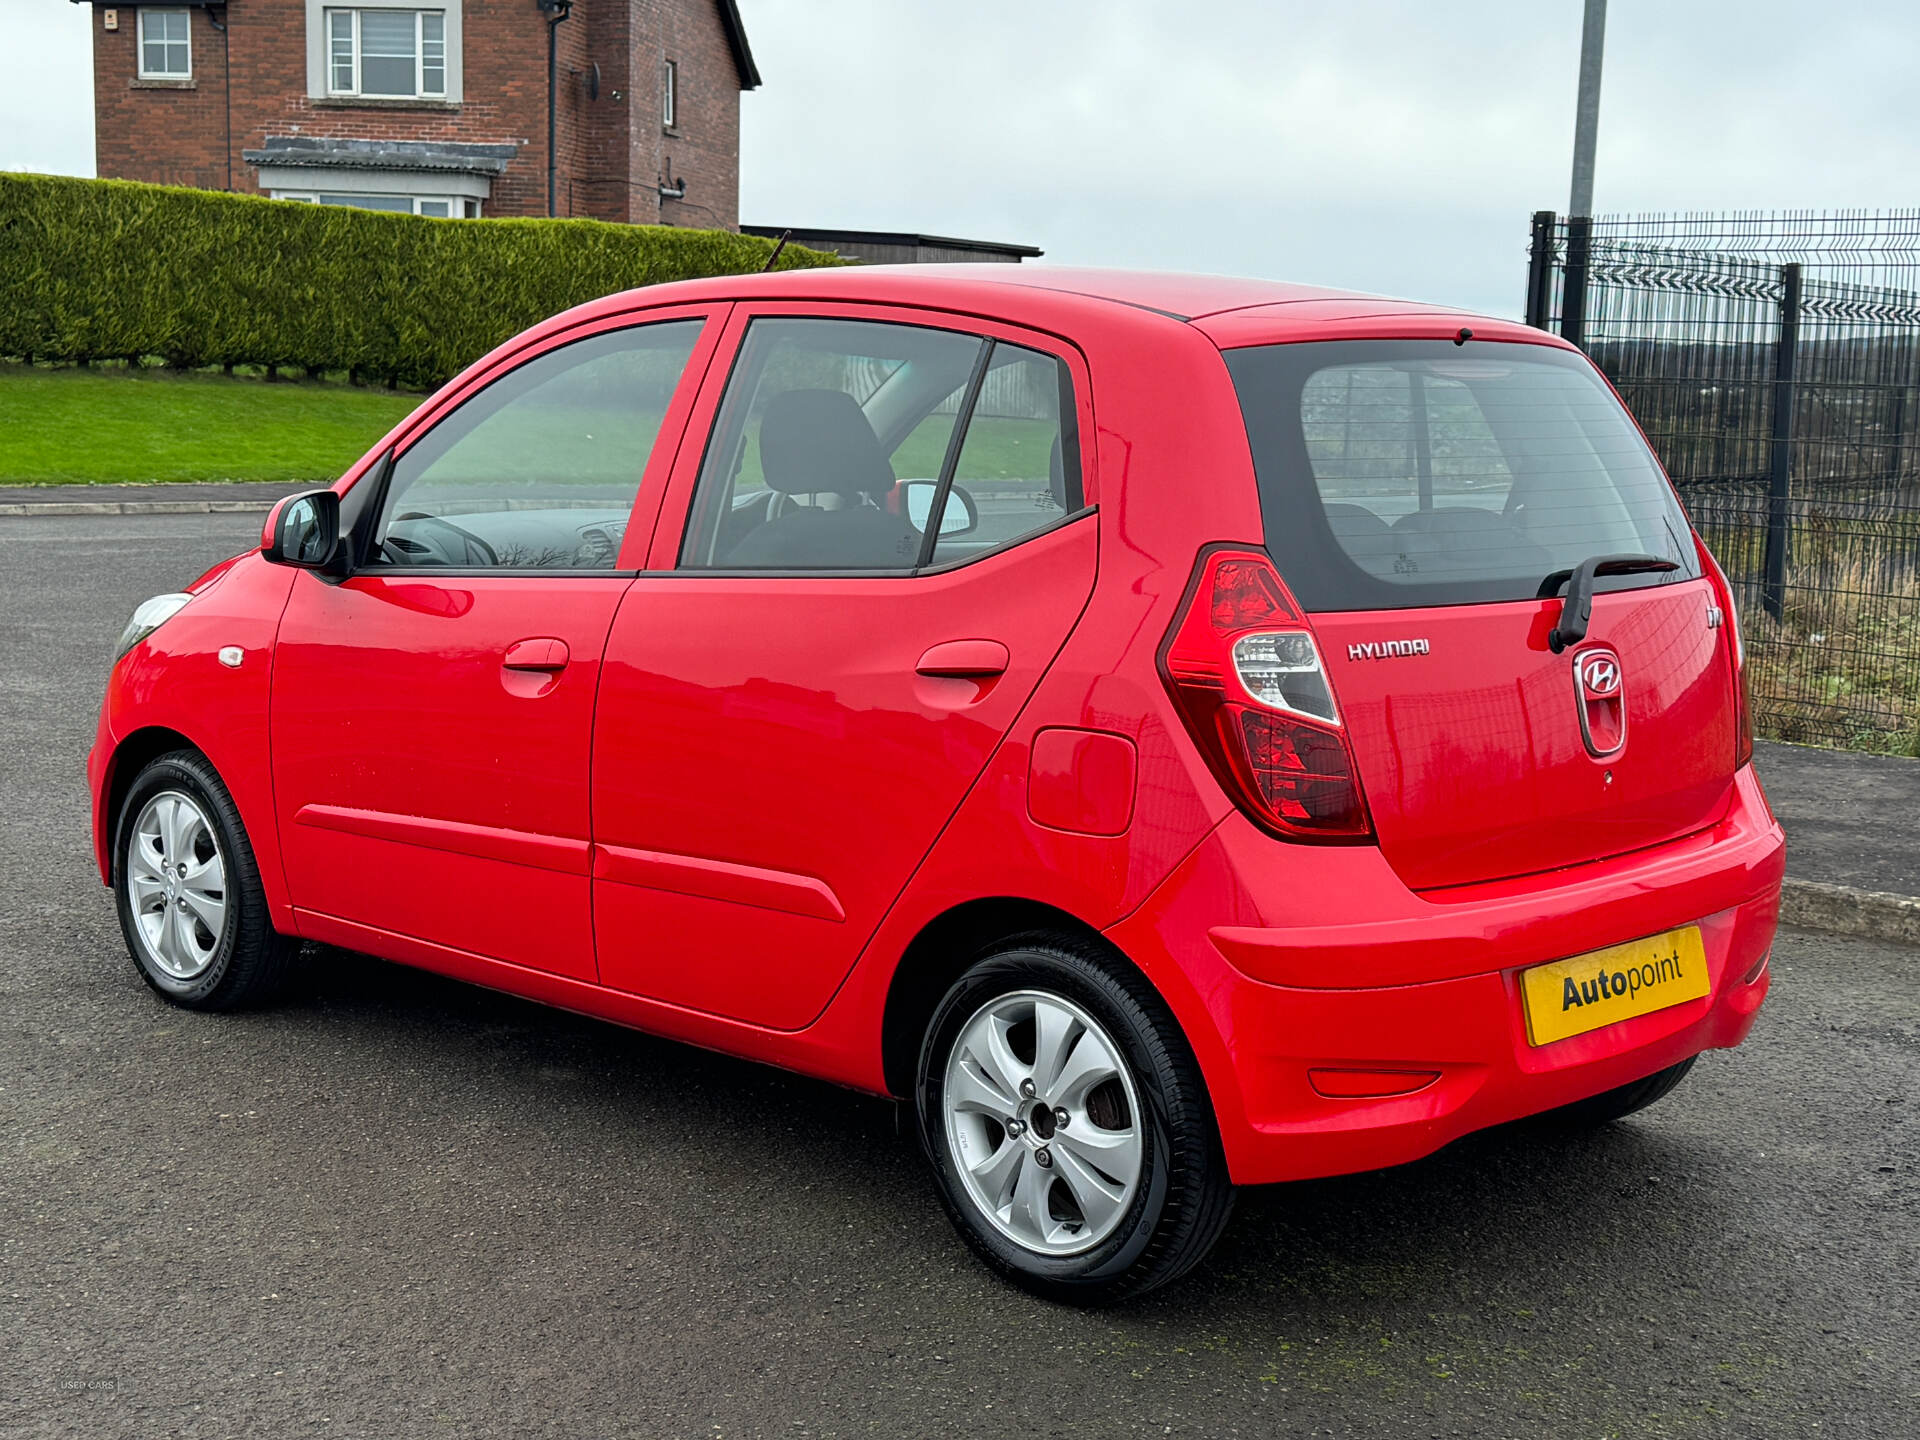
<point x="434" y="107"/>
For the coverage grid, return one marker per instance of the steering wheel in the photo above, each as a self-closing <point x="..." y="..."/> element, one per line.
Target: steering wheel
<point x="467" y="538"/>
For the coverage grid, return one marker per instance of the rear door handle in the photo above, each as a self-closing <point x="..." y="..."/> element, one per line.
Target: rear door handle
<point x="540" y="653"/>
<point x="965" y="659"/>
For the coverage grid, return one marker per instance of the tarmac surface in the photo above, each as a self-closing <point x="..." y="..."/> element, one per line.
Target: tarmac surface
<point x="400" y="1206"/>
<point x="1850" y="819"/>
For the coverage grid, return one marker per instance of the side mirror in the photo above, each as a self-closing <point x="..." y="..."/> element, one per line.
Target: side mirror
<point x="306" y="531"/>
<point x="959" y="518"/>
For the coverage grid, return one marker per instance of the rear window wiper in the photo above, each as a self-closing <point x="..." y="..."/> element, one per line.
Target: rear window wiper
<point x="1577" y="610"/>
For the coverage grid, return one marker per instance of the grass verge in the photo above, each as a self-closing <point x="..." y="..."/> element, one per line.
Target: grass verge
<point x="121" y="426"/>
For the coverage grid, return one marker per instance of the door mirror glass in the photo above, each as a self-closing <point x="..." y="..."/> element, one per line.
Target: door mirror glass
<point x="958" y="518"/>
<point x="307" y="531"/>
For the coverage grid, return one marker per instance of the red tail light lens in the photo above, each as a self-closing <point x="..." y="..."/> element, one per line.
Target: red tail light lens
<point x="1242" y="666"/>
<point x="1742" y="705"/>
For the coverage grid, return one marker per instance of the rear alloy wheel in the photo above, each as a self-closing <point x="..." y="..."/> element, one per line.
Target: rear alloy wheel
<point x="189" y="894"/>
<point x="1068" y="1126"/>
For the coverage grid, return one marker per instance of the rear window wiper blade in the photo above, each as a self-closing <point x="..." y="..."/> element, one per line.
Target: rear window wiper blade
<point x="1576" y="612"/>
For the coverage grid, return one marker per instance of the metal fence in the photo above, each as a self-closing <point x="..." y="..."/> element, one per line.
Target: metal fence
<point x="1774" y="361"/>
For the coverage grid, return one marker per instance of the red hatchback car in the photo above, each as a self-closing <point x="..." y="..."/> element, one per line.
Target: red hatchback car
<point x="1182" y="733"/>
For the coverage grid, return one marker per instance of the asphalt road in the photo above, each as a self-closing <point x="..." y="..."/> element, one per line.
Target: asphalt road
<point x="397" y="1206"/>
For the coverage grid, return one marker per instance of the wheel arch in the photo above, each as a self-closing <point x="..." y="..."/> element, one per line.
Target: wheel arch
<point x="941" y="952"/>
<point x="130" y="756"/>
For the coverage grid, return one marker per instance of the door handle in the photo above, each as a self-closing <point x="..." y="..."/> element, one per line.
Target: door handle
<point x="540" y="653"/>
<point x="965" y="659"/>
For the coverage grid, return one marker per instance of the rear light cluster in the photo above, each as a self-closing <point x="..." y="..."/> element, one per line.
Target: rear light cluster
<point x="1242" y="667"/>
<point x="1742" y="705"/>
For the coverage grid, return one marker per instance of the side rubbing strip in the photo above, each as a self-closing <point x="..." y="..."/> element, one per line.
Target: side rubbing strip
<point x="717" y="880"/>
<point x="514" y="847"/>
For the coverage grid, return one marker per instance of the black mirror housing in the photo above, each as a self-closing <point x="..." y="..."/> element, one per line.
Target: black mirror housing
<point x="306" y="532"/>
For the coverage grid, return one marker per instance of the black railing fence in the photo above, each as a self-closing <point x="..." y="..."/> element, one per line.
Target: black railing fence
<point x="1774" y="362"/>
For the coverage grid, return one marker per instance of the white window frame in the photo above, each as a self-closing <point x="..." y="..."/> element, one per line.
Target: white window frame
<point x="186" y="17"/>
<point x="456" y="204"/>
<point x="356" y="88"/>
<point x="670" y="95"/>
<point x="320" y="57"/>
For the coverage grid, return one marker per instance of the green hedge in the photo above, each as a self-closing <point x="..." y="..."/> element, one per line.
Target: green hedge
<point x="106" y="269"/>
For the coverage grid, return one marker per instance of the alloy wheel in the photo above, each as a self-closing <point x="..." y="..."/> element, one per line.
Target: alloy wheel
<point x="1043" y="1122"/>
<point x="176" y="885"/>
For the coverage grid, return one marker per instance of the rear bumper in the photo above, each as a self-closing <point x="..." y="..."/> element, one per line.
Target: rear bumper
<point x="1255" y="947"/>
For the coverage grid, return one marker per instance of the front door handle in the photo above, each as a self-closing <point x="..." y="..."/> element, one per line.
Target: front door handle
<point x="540" y="653"/>
<point x="965" y="659"/>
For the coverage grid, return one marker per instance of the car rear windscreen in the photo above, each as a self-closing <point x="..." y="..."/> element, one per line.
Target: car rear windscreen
<point x="1404" y="473"/>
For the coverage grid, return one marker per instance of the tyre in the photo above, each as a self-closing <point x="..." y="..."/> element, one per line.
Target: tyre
<point x="1068" y="1125"/>
<point x="1617" y="1104"/>
<point x="188" y="890"/>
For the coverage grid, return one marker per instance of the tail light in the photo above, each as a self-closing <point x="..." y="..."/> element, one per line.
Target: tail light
<point x="1243" y="669"/>
<point x="1742" y="705"/>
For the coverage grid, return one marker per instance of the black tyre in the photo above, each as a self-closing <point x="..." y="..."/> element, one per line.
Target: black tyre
<point x="188" y="890"/>
<point x="1068" y="1125"/>
<point x="1617" y="1104"/>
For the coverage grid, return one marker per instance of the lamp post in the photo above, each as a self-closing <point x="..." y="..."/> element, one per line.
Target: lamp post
<point x="555" y="11"/>
<point x="1586" y="123"/>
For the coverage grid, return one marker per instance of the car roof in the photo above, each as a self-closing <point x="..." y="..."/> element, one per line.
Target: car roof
<point x="1179" y="296"/>
<point x="1229" y="310"/>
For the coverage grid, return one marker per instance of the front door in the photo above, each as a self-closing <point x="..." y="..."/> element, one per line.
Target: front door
<point x="805" y="684"/>
<point x="432" y="713"/>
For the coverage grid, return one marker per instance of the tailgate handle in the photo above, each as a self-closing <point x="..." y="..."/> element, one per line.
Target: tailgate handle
<point x="541" y="653"/>
<point x="965" y="659"/>
<point x="1576" y="611"/>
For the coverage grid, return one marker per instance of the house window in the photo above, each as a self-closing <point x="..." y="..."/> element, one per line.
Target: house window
<point x="441" y="207"/>
<point x="387" y="54"/>
<point x="166" y="52"/>
<point x="670" y="95"/>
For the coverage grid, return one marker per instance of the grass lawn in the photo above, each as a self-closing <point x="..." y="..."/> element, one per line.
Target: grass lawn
<point x="68" y="427"/>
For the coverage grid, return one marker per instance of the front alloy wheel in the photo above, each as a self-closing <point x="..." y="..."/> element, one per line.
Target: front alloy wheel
<point x="1068" y="1125"/>
<point x="177" y="886"/>
<point x="188" y="887"/>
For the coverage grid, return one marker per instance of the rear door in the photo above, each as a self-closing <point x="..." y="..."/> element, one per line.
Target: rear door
<point x="806" y="682"/>
<point x="1417" y="495"/>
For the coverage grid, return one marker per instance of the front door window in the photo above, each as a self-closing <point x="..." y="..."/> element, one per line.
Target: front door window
<point x="539" y="470"/>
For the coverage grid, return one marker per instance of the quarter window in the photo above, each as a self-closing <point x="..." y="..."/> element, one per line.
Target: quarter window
<point x="1015" y="464"/>
<point x="391" y="54"/>
<point x="845" y="445"/>
<point x="166" y="45"/>
<point x="539" y="470"/>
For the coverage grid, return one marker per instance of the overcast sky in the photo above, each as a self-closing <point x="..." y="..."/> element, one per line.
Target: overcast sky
<point x="1387" y="146"/>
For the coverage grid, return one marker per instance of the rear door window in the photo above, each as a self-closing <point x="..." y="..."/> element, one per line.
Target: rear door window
<point x="1406" y="473"/>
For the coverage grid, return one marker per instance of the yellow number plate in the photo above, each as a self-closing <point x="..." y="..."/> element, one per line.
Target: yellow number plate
<point x="1571" y="997"/>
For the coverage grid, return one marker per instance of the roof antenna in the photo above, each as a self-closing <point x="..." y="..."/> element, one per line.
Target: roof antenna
<point x="785" y="235"/>
<point x="1464" y="336"/>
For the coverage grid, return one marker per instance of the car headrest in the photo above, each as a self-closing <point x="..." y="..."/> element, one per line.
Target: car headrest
<point x="1057" y="475"/>
<point x="819" y="442"/>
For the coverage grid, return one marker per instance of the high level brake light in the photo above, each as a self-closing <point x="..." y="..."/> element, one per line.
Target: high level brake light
<point x="1742" y="705"/>
<point x="1243" y="669"/>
